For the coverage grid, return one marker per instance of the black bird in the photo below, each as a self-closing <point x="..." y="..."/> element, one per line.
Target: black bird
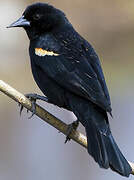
<point x="68" y="71"/>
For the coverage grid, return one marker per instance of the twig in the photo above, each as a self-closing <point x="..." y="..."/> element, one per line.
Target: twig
<point x="46" y="116"/>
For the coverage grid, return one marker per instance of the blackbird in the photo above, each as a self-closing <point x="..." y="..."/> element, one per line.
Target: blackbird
<point x="68" y="71"/>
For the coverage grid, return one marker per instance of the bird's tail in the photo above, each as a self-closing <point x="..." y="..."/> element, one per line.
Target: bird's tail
<point x="102" y="146"/>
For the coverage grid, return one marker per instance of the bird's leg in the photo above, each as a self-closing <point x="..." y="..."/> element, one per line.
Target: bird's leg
<point x="33" y="98"/>
<point x="72" y="126"/>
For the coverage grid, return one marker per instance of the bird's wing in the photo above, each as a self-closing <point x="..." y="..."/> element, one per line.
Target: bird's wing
<point x="78" y="70"/>
<point x="93" y="59"/>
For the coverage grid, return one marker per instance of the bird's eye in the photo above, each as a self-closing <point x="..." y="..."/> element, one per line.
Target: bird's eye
<point x="36" y="17"/>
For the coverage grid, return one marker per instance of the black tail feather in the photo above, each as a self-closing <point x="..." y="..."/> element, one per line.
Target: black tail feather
<point x="101" y="144"/>
<point x="105" y="151"/>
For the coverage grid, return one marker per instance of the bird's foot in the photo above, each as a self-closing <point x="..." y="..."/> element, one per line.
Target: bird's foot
<point x="33" y="98"/>
<point x="72" y="126"/>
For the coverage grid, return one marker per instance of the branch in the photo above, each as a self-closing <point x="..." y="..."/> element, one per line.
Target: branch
<point x="46" y="116"/>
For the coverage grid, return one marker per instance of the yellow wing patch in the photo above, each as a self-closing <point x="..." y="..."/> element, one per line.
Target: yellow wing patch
<point x="43" y="52"/>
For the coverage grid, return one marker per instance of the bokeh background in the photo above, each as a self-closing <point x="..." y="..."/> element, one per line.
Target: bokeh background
<point x="31" y="149"/>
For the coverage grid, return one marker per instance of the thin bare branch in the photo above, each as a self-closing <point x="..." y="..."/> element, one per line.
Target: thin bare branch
<point x="46" y="116"/>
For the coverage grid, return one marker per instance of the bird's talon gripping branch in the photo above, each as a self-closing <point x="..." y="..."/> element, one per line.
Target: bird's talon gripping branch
<point x="71" y="126"/>
<point x="33" y="97"/>
<point x="21" y="108"/>
<point x="33" y="101"/>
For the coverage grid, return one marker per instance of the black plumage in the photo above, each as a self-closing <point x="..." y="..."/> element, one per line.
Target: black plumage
<point x="68" y="71"/>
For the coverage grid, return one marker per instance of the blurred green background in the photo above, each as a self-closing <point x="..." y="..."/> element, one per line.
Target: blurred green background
<point x="31" y="149"/>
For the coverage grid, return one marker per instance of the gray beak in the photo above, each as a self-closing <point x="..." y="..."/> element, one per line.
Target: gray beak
<point x="21" y="22"/>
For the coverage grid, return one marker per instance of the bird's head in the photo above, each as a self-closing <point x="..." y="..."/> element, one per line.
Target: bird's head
<point x="39" y="18"/>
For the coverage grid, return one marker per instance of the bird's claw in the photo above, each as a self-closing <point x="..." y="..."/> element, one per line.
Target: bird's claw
<point x="21" y="108"/>
<point x="32" y="98"/>
<point x="72" y="126"/>
<point x="69" y="130"/>
<point x="33" y="109"/>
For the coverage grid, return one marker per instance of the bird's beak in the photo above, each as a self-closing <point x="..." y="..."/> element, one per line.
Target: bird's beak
<point x="21" y="22"/>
